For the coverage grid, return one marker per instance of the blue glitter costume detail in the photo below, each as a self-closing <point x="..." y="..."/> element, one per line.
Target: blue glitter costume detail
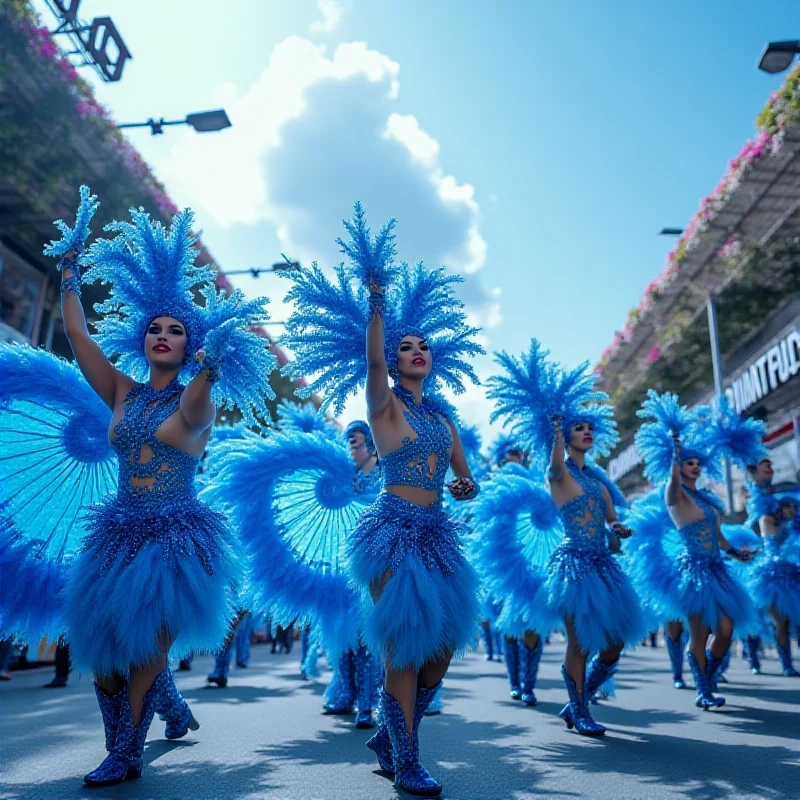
<point x="411" y="464"/>
<point x="155" y="558"/>
<point x="776" y="576"/>
<point x="584" y="582"/>
<point x="706" y="586"/>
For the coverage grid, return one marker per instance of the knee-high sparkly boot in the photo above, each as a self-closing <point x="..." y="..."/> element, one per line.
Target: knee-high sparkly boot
<point x="511" y="647"/>
<point x="785" y="656"/>
<point x="124" y="761"/>
<point x="597" y="674"/>
<point x="486" y="634"/>
<point x="341" y="692"/>
<point x="109" y="711"/>
<point x="409" y="774"/>
<point x="576" y="713"/>
<point x="174" y="710"/>
<point x="702" y="681"/>
<point x="715" y="667"/>
<point x="381" y="743"/>
<point x="222" y="665"/>
<point x="751" y="648"/>
<point x="366" y="685"/>
<point x="675" y="651"/>
<point x="530" y="671"/>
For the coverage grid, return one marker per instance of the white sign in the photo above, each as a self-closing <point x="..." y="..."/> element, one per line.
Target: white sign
<point x="627" y="460"/>
<point x="774" y="367"/>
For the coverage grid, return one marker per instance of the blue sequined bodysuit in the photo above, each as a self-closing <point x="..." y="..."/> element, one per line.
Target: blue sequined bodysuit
<point x="428" y="606"/>
<point x="368" y="483"/>
<point x="155" y="560"/>
<point x="585" y="584"/>
<point x="422" y="461"/>
<point x="584" y="517"/>
<point x="156" y="497"/>
<point x="700" y="537"/>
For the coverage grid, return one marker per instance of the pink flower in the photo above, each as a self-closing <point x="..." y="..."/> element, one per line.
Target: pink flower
<point x="654" y="355"/>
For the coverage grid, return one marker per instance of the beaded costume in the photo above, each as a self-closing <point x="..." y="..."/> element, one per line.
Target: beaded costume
<point x="156" y="564"/>
<point x="428" y="608"/>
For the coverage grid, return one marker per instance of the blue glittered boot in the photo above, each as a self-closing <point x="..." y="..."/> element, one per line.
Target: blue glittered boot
<point x="124" y="761"/>
<point x="437" y="704"/>
<point x="340" y="696"/>
<point x="367" y="685"/>
<point x="409" y="774"/>
<point x="705" y="697"/>
<point x="785" y="656"/>
<point x="530" y="670"/>
<point x="174" y="710"/>
<point x="597" y="674"/>
<point x="109" y="710"/>
<point x="222" y="665"/>
<point x="714" y="669"/>
<point x="675" y="651"/>
<point x="720" y="670"/>
<point x="488" y="646"/>
<point x="512" y="667"/>
<point x="498" y="644"/>
<point x="576" y="713"/>
<point x="751" y="648"/>
<point x="381" y="743"/>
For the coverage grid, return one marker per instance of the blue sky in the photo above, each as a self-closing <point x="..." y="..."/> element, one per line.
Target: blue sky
<point x="535" y="147"/>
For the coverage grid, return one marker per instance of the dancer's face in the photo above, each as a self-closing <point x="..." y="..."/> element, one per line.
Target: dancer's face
<point x="789" y="510"/>
<point x="358" y="447"/>
<point x="165" y="342"/>
<point x="581" y="436"/>
<point x="691" y="468"/>
<point x="763" y="472"/>
<point x="414" y="358"/>
<point x="513" y="457"/>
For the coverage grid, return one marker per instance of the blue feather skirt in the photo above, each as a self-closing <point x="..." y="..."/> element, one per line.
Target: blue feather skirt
<point x="776" y="584"/>
<point x="588" y="586"/>
<point x="429" y="607"/>
<point x="142" y="578"/>
<point x="705" y="586"/>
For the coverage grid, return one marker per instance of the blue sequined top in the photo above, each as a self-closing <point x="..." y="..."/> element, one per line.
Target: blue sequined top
<point x="584" y="517"/>
<point x="368" y="482"/>
<point x="774" y="544"/>
<point x="700" y="537"/>
<point x="151" y="474"/>
<point x="422" y="461"/>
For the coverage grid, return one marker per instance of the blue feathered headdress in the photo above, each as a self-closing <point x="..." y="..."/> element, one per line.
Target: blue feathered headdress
<point x="328" y="328"/>
<point x="534" y="389"/>
<point x="152" y="273"/>
<point x="730" y="435"/>
<point x="502" y="446"/>
<point x="654" y="439"/>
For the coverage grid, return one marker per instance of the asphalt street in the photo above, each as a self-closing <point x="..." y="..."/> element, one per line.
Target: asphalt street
<point x="264" y="737"/>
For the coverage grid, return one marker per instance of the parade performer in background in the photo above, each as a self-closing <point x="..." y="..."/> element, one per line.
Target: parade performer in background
<point x="516" y="530"/>
<point x="157" y="565"/>
<point x="356" y="673"/>
<point x="697" y="588"/>
<point x="405" y="552"/>
<point x="560" y="412"/>
<point x="775" y="577"/>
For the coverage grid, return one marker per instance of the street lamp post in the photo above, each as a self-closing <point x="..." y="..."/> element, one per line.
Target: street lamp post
<point x="282" y="266"/>
<point x="716" y="363"/>
<point x="202" y="122"/>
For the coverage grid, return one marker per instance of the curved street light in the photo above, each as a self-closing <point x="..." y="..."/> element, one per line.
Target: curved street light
<point x="778" y="56"/>
<point x="202" y="122"/>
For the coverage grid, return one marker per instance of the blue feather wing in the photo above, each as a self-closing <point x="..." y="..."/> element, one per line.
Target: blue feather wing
<point x="55" y="460"/>
<point x="292" y="498"/>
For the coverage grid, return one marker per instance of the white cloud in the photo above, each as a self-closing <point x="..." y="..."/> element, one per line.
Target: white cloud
<point x="312" y="134"/>
<point x="332" y="12"/>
